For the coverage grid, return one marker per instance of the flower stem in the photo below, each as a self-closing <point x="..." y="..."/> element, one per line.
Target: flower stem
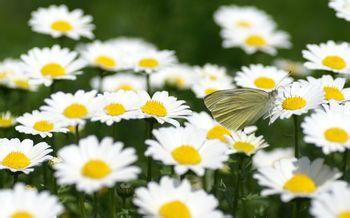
<point x="96" y="205"/>
<point x="150" y="123"/>
<point x="296" y="136"/>
<point x="77" y="137"/>
<point x="15" y="177"/>
<point x="215" y="183"/>
<point x="296" y="208"/>
<point x="345" y="162"/>
<point x="238" y="184"/>
<point x="101" y="75"/>
<point x="81" y="205"/>
<point x="113" y="204"/>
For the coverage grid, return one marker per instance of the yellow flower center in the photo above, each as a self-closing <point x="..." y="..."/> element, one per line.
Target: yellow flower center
<point x="186" y="155"/>
<point x="148" y="63"/>
<point x="61" y="26"/>
<point x="22" y="83"/>
<point x="5" y="122"/>
<point x="21" y="214"/>
<point x="218" y="132"/>
<point x="16" y="160"/>
<point x="53" y="70"/>
<point x="115" y="109"/>
<point x="176" y="81"/>
<point x="337" y="135"/>
<point x="105" y="62"/>
<point x="43" y="126"/>
<point x="208" y="91"/>
<point x="300" y="183"/>
<point x="125" y="87"/>
<point x="155" y="108"/>
<point x="334" y="62"/>
<point x="264" y="83"/>
<point x="255" y="41"/>
<point x="174" y="209"/>
<point x="3" y="75"/>
<point x="333" y="93"/>
<point x="75" y="111"/>
<point x="245" y="147"/>
<point x="345" y="214"/>
<point x="243" y="24"/>
<point x="96" y="169"/>
<point x="293" y="103"/>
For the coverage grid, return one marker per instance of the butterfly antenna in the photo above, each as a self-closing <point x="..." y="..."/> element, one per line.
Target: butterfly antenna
<point x="285" y="77"/>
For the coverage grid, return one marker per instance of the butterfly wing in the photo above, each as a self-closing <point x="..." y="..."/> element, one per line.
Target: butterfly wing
<point x="237" y="108"/>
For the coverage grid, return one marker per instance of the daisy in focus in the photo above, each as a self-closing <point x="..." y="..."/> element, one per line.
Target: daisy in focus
<point x="120" y="81"/>
<point x="21" y="202"/>
<point x="58" y="21"/>
<point x="163" y="108"/>
<point x="268" y="158"/>
<point x="48" y="64"/>
<point x="187" y="148"/>
<point x="328" y="128"/>
<point x="40" y="123"/>
<point x="293" y="67"/>
<point x="152" y="60"/>
<point x="296" y="99"/>
<point x="7" y="120"/>
<point x="261" y="77"/>
<point x="74" y="108"/>
<point x="341" y="7"/>
<point x="172" y="198"/>
<point x="292" y="178"/>
<point x="248" y="144"/>
<point x="113" y="107"/>
<point x="328" y="56"/>
<point x="22" y="156"/>
<point x="92" y="165"/>
<point x="205" y="87"/>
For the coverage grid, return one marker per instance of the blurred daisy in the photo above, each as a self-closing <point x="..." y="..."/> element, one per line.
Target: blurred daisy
<point x="187" y="148"/>
<point x="252" y="41"/>
<point x="72" y="128"/>
<point x="296" y="99"/>
<point x="92" y="165"/>
<point x="58" y="21"/>
<point x="268" y="158"/>
<point x="7" y="120"/>
<point x="152" y="60"/>
<point x="292" y="178"/>
<point x="293" y="67"/>
<point x="55" y="63"/>
<point x="242" y="18"/>
<point x="212" y="72"/>
<point x="8" y="68"/>
<point x="121" y="81"/>
<point x="342" y="8"/>
<point x="266" y="78"/>
<point x="22" y="202"/>
<point x="40" y="123"/>
<point x="113" y="107"/>
<point x="172" y="198"/>
<point x="329" y="56"/>
<point x="131" y="45"/>
<point x="22" y="156"/>
<point x="328" y="128"/>
<point x="205" y="87"/>
<point x="163" y="108"/>
<point x="332" y="204"/>
<point x="74" y="108"/>
<point x="248" y="144"/>
<point x="21" y="80"/>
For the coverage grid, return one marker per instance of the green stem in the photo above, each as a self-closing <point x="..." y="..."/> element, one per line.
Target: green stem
<point x="296" y="208"/>
<point x="150" y="123"/>
<point x="114" y="131"/>
<point x="148" y="84"/>
<point x="215" y="183"/>
<point x="96" y="205"/>
<point x="204" y="181"/>
<point x="81" y="205"/>
<point x="238" y="184"/>
<point x="296" y="136"/>
<point x="345" y="162"/>
<point x="77" y="136"/>
<point x="113" y="204"/>
<point x="101" y="75"/>
<point x="15" y="178"/>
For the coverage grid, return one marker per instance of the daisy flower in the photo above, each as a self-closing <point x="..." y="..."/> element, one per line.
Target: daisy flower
<point x="242" y="18"/>
<point x="163" y="108"/>
<point x="249" y="144"/>
<point x="152" y="60"/>
<point x="293" y="67"/>
<point x="40" y="123"/>
<point x="74" y="108"/>
<point x="268" y="158"/>
<point x="172" y="198"/>
<point x="22" y="202"/>
<point x="332" y="204"/>
<point x="205" y="87"/>
<point x="252" y="41"/>
<point x="121" y="81"/>
<point x="341" y="7"/>
<point x="92" y="165"/>
<point x="58" y="21"/>
<point x="55" y="63"/>
<point x="328" y="128"/>
<point x="292" y="178"/>
<point x="22" y="156"/>
<point x="72" y="128"/>
<point x="131" y="45"/>
<point x="7" y="120"/>
<point x="113" y="107"/>
<point x="212" y="72"/>
<point x="187" y="148"/>
<point x="20" y="79"/>
<point x="9" y="67"/>
<point x="266" y="78"/>
<point x="329" y="56"/>
<point x="296" y="99"/>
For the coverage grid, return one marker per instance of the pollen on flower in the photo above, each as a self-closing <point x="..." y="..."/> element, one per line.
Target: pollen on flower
<point x="218" y="132"/>
<point x="337" y="135"/>
<point x="186" y="155"/>
<point x="5" y="122"/>
<point x="294" y="103"/>
<point x="155" y="108"/>
<point x="174" y="209"/>
<point x="16" y="160"/>
<point x="300" y="183"/>
<point x="255" y="41"/>
<point x="345" y="214"/>
<point x="148" y="63"/>
<point x="75" y="111"/>
<point x="264" y="83"/>
<point x="96" y="169"/>
<point x="43" y="126"/>
<point x="243" y="24"/>
<point x="208" y="91"/>
<point x="22" y="83"/>
<point x="61" y="26"/>
<point x="335" y="62"/>
<point x="105" y="62"/>
<point x="53" y="70"/>
<point x="114" y="109"/>
<point x="333" y="93"/>
<point x="245" y="147"/>
<point x="21" y="214"/>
